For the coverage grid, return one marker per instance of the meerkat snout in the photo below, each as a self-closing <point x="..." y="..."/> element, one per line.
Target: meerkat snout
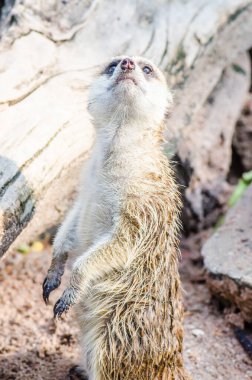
<point x="127" y="64"/>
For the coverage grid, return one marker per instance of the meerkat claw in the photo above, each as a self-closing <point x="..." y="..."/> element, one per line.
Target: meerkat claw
<point x="59" y="308"/>
<point x="63" y="304"/>
<point x="49" y="285"/>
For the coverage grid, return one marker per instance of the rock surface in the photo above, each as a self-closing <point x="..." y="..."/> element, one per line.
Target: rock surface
<point x="49" y="55"/>
<point x="228" y="257"/>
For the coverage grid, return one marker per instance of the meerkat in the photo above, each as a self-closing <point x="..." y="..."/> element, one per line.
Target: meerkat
<point x="123" y="233"/>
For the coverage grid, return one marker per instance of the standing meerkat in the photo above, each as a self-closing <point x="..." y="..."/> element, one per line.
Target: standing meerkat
<point x="123" y="232"/>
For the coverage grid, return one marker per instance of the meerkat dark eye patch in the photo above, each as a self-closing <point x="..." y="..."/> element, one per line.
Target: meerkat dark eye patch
<point x="111" y="67"/>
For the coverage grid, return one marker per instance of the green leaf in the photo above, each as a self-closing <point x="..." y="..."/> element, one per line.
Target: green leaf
<point x="242" y="185"/>
<point x="24" y="248"/>
<point x="247" y="177"/>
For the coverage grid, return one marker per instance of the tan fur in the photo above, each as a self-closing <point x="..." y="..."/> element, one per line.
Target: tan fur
<point x="125" y="279"/>
<point x="136" y="312"/>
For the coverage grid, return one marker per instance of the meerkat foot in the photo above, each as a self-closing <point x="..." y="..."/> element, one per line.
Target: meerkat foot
<point x="76" y="373"/>
<point x="63" y="304"/>
<point x="51" y="282"/>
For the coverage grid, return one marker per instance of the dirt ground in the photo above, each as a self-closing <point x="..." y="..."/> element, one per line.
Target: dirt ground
<point x="33" y="346"/>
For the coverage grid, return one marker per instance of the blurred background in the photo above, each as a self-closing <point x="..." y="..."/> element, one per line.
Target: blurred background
<point x="49" y="51"/>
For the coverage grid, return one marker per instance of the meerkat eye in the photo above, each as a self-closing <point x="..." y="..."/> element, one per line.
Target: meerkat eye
<point x="111" y="68"/>
<point x="147" y="70"/>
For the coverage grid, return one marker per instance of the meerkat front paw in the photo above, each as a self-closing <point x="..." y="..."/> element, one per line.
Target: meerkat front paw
<point x="51" y="282"/>
<point x="63" y="304"/>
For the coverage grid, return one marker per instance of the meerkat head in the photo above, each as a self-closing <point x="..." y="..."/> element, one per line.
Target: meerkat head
<point x="129" y="88"/>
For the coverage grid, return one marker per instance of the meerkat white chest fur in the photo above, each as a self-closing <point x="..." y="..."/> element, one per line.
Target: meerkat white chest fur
<point x="115" y="169"/>
<point x="123" y="230"/>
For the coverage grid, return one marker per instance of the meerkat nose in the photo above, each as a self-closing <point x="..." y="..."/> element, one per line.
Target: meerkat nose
<point x="127" y="64"/>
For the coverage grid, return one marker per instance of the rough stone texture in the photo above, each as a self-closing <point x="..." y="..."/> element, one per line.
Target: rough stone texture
<point x="243" y="135"/>
<point x="206" y="144"/>
<point x="228" y="257"/>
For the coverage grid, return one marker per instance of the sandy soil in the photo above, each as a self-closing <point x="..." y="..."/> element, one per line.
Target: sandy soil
<point x="33" y="346"/>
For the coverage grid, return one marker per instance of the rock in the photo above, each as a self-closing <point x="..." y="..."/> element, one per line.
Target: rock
<point x="198" y="333"/>
<point x="228" y="257"/>
<point x="206" y="144"/>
